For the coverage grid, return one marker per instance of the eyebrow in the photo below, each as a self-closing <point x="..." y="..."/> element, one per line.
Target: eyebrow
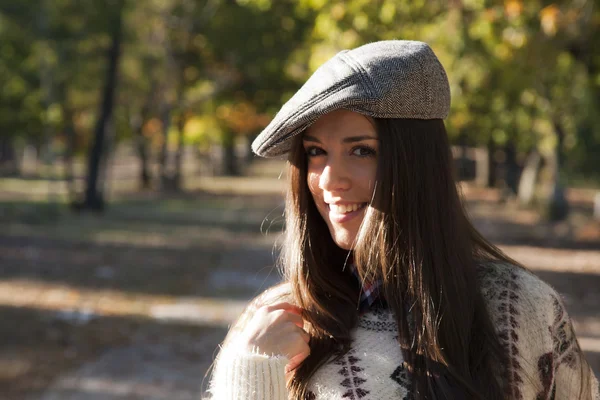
<point x="349" y="139"/>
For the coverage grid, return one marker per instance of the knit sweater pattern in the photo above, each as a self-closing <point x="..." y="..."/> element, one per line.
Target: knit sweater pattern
<point x="545" y="361"/>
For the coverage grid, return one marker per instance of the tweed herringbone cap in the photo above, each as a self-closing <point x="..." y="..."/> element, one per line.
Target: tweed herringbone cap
<point x="387" y="79"/>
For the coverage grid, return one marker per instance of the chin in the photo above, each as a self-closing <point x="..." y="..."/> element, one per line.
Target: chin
<point x="344" y="241"/>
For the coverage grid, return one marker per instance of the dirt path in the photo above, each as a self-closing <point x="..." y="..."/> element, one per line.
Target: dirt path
<point x="165" y="362"/>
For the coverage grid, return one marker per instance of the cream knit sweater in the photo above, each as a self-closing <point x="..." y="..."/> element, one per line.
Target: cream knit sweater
<point x="532" y="323"/>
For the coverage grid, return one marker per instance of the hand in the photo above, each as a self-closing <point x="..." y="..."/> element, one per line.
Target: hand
<point x="278" y="330"/>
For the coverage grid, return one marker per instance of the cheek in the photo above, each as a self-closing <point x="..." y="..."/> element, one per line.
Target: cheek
<point x="365" y="177"/>
<point x="312" y="179"/>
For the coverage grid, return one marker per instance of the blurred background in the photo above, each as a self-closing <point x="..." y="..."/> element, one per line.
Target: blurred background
<point x="135" y="223"/>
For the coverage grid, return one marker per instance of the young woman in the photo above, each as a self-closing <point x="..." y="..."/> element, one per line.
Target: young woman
<point x="388" y="291"/>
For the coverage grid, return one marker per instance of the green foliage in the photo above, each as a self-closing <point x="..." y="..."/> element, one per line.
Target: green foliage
<point x="518" y="69"/>
<point x="254" y="44"/>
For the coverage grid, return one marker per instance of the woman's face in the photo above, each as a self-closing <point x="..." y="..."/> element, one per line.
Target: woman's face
<point x="341" y="149"/>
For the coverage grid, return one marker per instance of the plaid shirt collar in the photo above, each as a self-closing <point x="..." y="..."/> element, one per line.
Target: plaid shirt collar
<point x="370" y="293"/>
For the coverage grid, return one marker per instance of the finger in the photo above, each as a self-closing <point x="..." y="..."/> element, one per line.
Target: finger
<point x="292" y="365"/>
<point x="295" y="319"/>
<point x="305" y="335"/>
<point x="287" y="307"/>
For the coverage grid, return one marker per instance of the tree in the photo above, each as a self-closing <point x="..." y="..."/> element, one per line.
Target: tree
<point x="94" y="199"/>
<point x="256" y="48"/>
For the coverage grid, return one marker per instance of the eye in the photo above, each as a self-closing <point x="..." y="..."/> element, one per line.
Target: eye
<point x="363" y="151"/>
<point x="314" y="151"/>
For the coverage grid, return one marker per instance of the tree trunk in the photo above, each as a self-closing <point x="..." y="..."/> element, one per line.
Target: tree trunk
<point x="461" y="160"/>
<point x="70" y="156"/>
<point x="511" y="169"/>
<point x="558" y="206"/>
<point x="163" y="159"/>
<point x="177" y="177"/>
<point x="104" y="174"/>
<point x="8" y="157"/>
<point x="492" y="172"/>
<point x="93" y="194"/>
<point x="164" y="151"/>
<point x="528" y="180"/>
<point x="229" y="160"/>
<point x="137" y="123"/>
<point x="145" y="176"/>
<point x="482" y="165"/>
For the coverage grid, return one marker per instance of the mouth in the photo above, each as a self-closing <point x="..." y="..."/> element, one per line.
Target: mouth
<point x="345" y="212"/>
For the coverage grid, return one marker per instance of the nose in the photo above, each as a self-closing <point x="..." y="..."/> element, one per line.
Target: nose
<point x="334" y="177"/>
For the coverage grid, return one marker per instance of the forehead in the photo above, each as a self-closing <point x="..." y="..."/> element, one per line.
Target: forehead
<point x="342" y="123"/>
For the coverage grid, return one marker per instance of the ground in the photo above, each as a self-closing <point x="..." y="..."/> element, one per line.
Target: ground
<point x="132" y="304"/>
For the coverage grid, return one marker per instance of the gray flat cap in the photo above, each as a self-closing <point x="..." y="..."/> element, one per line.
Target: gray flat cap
<point x="387" y="79"/>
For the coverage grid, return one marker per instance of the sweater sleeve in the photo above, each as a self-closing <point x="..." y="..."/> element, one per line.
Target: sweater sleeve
<point x="239" y="374"/>
<point x="248" y="376"/>
<point x="572" y="374"/>
<point x="544" y="359"/>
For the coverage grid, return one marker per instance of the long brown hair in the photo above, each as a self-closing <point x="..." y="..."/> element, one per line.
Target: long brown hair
<point x="423" y="248"/>
<point x="426" y="252"/>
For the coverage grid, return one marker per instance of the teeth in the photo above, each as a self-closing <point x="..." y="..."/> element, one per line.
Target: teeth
<point x="345" y="208"/>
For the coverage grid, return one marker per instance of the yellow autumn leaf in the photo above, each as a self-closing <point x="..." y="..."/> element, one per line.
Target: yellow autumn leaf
<point x="549" y="19"/>
<point x="513" y="8"/>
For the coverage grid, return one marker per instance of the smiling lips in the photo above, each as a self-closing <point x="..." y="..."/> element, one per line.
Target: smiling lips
<point x="345" y="212"/>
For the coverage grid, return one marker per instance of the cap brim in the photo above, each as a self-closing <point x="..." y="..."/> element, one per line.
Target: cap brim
<point x="337" y="84"/>
<point x="276" y="139"/>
